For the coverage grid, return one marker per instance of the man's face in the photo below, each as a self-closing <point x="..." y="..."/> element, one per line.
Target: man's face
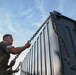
<point x="9" y="39"/>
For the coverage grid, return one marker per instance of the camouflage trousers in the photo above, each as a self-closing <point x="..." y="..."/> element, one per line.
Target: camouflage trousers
<point x="3" y="64"/>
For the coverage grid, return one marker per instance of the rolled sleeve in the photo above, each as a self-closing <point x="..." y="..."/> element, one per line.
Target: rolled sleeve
<point x="8" y="48"/>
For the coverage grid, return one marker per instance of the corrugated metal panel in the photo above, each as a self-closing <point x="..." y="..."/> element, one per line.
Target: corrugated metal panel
<point x="41" y="52"/>
<point x="47" y="55"/>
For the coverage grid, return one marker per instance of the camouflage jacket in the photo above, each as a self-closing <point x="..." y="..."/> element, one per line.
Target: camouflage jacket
<point x="4" y="57"/>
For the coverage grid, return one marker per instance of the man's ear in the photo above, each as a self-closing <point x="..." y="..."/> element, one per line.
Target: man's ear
<point x="5" y="39"/>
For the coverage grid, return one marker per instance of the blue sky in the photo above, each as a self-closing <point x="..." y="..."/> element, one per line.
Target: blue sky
<point x="22" y="18"/>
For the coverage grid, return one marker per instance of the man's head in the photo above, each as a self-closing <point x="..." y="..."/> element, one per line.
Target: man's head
<point x="8" y="38"/>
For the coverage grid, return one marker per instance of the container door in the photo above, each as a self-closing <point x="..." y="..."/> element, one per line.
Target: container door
<point x="67" y="29"/>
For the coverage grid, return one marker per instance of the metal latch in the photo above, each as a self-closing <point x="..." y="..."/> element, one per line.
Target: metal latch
<point x="73" y="68"/>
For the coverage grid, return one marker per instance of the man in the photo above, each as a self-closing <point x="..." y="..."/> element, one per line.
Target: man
<point x="6" y="49"/>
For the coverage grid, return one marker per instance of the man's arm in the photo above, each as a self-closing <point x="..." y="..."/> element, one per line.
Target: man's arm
<point x="15" y="71"/>
<point x="19" y="49"/>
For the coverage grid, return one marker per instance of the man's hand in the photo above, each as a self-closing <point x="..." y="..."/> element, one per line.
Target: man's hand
<point x="12" y="63"/>
<point x="27" y="44"/>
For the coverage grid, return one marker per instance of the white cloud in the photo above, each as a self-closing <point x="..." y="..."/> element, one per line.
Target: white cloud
<point x="27" y="12"/>
<point x="61" y="4"/>
<point x="9" y="23"/>
<point x="40" y="5"/>
<point x="0" y="38"/>
<point x="15" y="29"/>
<point x="64" y="7"/>
<point x="6" y="21"/>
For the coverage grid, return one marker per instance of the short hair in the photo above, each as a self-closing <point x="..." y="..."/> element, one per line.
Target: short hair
<point x="6" y="35"/>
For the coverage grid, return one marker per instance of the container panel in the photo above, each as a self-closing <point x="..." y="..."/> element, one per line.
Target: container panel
<point x="56" y="67"/>
<point x="43" y="59"/>
<point x="33" y="61"/>
<point x="35" y="56"/>
<point x="30" y="61"/>
<point x="46" y="51"/>
<point x="39" y="57"/>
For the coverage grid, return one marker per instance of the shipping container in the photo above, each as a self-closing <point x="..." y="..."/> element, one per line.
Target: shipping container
<point x="54" y="49"/>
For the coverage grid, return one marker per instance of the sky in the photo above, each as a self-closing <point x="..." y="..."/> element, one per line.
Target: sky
<point x="22" y="18"/>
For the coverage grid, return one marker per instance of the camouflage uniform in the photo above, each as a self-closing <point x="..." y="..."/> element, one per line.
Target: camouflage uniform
<point x="9" y="72"/>
<point x="4" y="56"/>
